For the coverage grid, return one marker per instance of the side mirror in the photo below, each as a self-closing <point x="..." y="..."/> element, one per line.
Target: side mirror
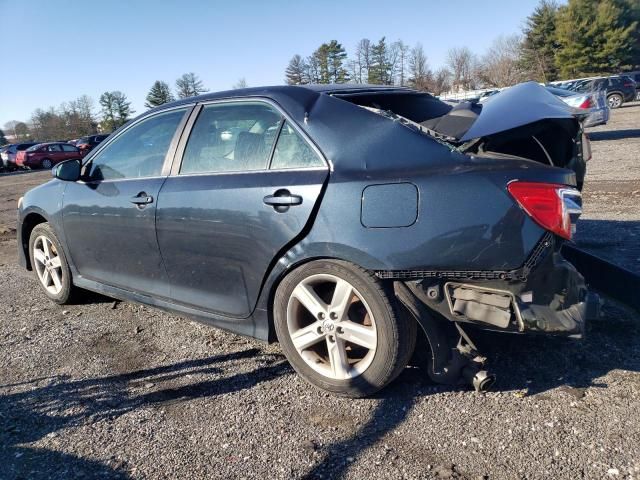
<point x="69" y="171"/>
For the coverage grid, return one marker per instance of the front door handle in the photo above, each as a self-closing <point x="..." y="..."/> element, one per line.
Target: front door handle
<point x="141" y="199"/>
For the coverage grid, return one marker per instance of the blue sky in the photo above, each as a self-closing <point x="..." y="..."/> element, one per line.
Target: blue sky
<point x="57" y="50"/>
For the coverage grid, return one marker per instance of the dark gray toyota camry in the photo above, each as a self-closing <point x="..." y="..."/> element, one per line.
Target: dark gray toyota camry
<point x="342" y="221"/>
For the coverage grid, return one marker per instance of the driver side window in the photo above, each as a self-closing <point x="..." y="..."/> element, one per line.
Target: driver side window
<point x="138" y="152"/>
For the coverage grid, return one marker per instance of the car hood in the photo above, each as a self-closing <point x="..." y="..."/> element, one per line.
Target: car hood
<point x="514" y="107"/>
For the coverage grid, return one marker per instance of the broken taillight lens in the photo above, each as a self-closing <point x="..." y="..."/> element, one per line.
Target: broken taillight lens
<point x="586" y="104"/>
<point x="554" y="207"/>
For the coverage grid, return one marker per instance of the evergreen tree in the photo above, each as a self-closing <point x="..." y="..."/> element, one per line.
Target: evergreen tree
<point x="380" y="71"/>
<point x="320" y="59"/>
<point x="116" y="110"/>
<point x="539" y="44"/>
<point x="189" y="85"/>
<point x="597" y="37"/>
<point x="296" y="72"/>
<point x="336" y="56"/>
<point x="159" y="94"/>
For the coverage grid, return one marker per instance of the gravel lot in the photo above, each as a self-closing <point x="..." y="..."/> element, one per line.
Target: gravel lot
<point x="117" y="390"/>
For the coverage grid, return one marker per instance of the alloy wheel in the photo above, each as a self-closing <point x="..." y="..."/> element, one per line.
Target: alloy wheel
<point x="331" y="326"/>
<point x="614" y="101"/>
<point x="48" y="264"/>
<point x="46" y="163"/>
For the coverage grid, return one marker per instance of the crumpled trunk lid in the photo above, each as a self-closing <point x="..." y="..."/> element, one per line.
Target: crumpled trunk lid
<point x="514" y="107"/>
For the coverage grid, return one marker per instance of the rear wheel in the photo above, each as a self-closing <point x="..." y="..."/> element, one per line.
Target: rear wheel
<point x="614" y="100"/>
<point x="340" y="329"/>
<point x="50" y="264"/>
<point x="46" y="163"/>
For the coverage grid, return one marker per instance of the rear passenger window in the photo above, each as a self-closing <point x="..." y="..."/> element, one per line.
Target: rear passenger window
<point x="292" y="151"/>
<point x="231" y="137"/>
<point x="69" y="148"/>
<point x="54" y="148"/>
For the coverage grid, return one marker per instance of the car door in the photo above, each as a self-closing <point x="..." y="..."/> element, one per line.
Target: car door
<point x="224" y="215"/>
<point x="70" y="152"/>
<point x="109" y="216"/>
<point x="54" y="153"/>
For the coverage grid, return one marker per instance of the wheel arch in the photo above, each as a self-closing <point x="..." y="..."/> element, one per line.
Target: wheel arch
<point x="30" y="221"/>
<point x="286" y="265"/>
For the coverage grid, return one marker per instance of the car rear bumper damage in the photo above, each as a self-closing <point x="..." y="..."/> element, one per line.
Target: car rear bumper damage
<point x="546" y="295"/>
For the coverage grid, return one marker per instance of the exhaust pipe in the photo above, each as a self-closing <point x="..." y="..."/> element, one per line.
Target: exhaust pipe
<point x="481" y="380"/>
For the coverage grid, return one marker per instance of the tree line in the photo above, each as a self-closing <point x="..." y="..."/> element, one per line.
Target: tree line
<point x="76" y="118"/>
<point x="581" y="38"/>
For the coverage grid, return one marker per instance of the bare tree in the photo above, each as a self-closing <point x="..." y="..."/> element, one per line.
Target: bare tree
<point x="462" y="64"/>
<point x="241" y="83"/>
<point x="501" y="66"/>
<point x="441" y="81"/>
<point x="419" y="72"/>
<point x="361" y="63"/>
<point x="403" y="52"/>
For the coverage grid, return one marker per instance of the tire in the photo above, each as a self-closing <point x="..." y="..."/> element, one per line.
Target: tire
<point x="60" y="291"/>
<point x="615" y="100"/>
<point x="46" y="163"/>
<point x="371" y="337"/>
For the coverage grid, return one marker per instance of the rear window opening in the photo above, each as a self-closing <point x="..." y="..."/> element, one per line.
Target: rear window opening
<point x="552" y="141"/>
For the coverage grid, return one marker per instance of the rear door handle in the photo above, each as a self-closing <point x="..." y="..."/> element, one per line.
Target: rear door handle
<point x="142" y="199"/>
<point x="282" y="201"/>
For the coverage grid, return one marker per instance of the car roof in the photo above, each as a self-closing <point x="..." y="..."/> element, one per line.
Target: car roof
<point x="276" y="90"/>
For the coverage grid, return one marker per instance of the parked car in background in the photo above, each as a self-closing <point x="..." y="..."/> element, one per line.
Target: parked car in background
<point x="592" y="107"/>
<point x="9" y="155"/>
<point x="256" y="211"/>
<point x="570" y="84"/>
<point x="3" y="149"/>
<point x="617" y="89"/>
<point x="635" y="76"/>
<point x="46" y="155"/>
<point x="88" y="143"/>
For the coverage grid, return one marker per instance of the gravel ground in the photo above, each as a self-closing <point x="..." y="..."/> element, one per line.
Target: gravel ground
<point x="610" y="224"/>
<point x="117" y="390"/>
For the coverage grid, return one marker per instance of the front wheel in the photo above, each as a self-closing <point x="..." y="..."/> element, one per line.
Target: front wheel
<point x="50" y="264"/>
<point x="340" y="328"/>
<point x="614" y="100"/>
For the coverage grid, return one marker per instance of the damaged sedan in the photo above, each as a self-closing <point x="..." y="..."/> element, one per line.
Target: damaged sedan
<point x="340" y="220"/>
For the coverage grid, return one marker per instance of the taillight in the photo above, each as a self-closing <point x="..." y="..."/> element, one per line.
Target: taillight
<point x="586" y="104"/>
<point x="554" y="207"/>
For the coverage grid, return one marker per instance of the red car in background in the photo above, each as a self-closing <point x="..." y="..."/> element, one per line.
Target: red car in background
<point x="46" y="155"/>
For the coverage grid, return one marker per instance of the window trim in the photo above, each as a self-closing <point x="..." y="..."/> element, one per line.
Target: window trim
<point x="275" y="144"/>
<point x="179" y="154"/>
<point x="168" y="158"/>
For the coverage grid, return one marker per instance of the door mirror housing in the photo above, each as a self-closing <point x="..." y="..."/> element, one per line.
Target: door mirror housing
<point x="69" y="170"/>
